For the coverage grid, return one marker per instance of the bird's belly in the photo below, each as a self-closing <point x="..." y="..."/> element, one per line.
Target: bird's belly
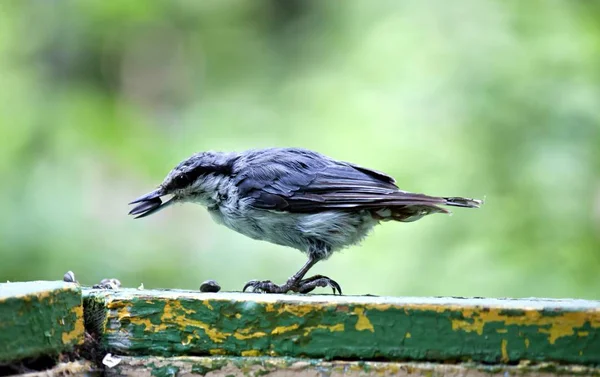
<point x="336" y="229"/>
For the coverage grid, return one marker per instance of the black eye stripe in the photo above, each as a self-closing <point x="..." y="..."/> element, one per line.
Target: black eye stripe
<point x="186" y="178"/>
<point x="180" y="181"/>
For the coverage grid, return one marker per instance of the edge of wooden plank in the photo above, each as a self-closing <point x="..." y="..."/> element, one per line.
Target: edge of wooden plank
<point x="39" y="317"/>
<point x="73" y="368"/>
<point x="174" y="322"/>
<point x="293" y="367"/>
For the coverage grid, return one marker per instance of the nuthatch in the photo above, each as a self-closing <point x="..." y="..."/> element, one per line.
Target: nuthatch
<point x="292" y="197"/>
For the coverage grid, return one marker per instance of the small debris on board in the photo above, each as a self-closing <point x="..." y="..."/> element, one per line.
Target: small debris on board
<point x="108" y="284"/>
<point x="210" y="286"/>
<point x="69" y="277"/>
<point x="110" y="361"/>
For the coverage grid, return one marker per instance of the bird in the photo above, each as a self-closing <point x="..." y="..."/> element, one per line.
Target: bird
<point x="292" y="197"/>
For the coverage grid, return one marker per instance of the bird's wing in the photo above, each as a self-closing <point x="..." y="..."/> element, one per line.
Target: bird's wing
<point x="306" y="182"/>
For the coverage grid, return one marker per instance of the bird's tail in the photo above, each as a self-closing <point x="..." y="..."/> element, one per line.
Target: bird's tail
<point x="408" y="207"/>
<point x="463" y="202"/>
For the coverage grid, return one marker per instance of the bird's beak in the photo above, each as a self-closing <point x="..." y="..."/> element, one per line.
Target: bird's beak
<point x="150" y="203"/>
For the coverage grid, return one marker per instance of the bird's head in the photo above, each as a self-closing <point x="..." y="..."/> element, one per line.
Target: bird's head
<point x="195" y="179"/>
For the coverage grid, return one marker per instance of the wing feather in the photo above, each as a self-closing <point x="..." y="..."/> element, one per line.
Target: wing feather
<point x="297" y="180"/>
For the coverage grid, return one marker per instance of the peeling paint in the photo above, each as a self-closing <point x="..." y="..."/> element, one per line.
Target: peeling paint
<point x="188" y="339"/>
<point x="490" y="331"/>
<point x="555" y="326"/>
<point x="333" y="328"/>
<point x="297" y="310"/>
<point x="207" y="304"/>
<point x="39" y="318"/>
<point x="504" y="350"/>
<point x="247" y="353"/>
<point x="247" y="334"/>
<point x="283" y="329"/>
<point x="363" y="322"/>
<point x="75" y="336"/>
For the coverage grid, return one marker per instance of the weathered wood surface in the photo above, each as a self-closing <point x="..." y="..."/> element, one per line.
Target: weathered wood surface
<point x="75" y="369"/>
<point x="39" y="318"/>
<point x="290" y="367"/>
<point x="171" y="323"/>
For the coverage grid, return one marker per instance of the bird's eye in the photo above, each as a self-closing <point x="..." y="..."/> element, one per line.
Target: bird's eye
<point x="181" y="181"/>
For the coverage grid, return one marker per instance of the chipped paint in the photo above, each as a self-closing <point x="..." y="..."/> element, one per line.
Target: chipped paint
<point x="333" y="328"/>
<point x="188" y="339"/>
<point x="74" y="336"/>
<point x="283" y="329"/>
<point x="504" y="350"/>
<point x="173" y="313"/>
<point x="122" y="311"/>
<point x="555" y="326"/>
<point x="207" y="304"/>
<point x="38" y="318"/>
<point x="248" y="334"/>
<point x="363" y="322"/>
<point x="248" y="353"/>
<point x="297" y="310"/>
<point x="179" y="323"/>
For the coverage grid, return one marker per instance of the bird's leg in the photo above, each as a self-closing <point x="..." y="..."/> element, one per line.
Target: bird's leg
<point x="290" y="285"/>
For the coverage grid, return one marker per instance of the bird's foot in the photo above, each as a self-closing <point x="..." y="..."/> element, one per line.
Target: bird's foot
<point x="266" y="286"/>
<point x="303" y="286"/>
<point x="308" y="284"/>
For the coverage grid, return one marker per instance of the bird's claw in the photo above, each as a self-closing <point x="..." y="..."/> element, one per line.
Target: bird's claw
<point x="303" y="286"/>
<point x="264" y="286"/>
<point x="309" y="284"/>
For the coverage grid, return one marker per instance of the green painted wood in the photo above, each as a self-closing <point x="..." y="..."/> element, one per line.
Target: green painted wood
<point x="168" y="323"/>
<point x="210" y="366"/>
<point x="39" y="318"/>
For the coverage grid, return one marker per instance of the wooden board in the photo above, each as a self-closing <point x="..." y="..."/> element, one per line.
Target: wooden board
<point x="39" y="318"/>
<point x="290" y="367"/>
<point x="76" y="368"/>
<point x="171" y="323"/>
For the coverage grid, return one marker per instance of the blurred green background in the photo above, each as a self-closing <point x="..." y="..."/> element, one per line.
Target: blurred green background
<point x="497" y="99"/>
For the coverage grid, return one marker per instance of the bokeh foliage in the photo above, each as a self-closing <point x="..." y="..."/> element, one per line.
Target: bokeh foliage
<point x="496" y="99"/>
